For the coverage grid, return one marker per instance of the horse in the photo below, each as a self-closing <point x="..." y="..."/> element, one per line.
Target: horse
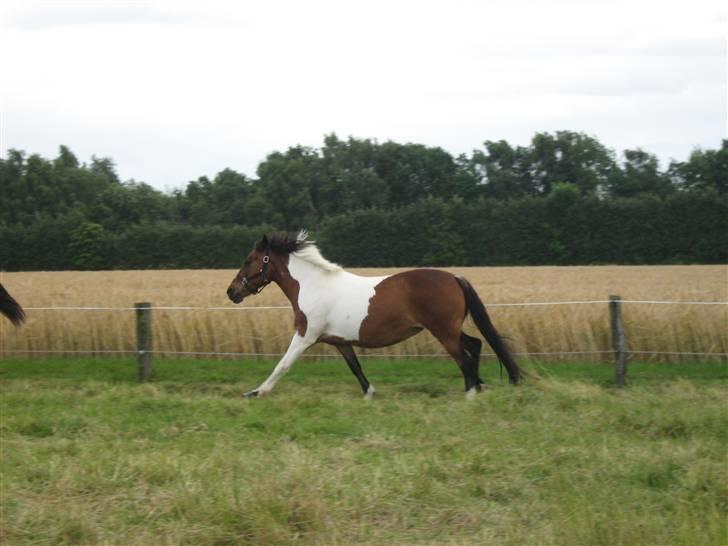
<point x="333" y="306"/>
<point x="11" y="308"/>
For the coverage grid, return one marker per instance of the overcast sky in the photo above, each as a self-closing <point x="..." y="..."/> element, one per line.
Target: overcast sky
<point x="173" y="90"/>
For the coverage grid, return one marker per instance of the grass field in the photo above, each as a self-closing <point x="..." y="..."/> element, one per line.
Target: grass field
<point x="564" y="328"/>
<point x="90" y="457"/>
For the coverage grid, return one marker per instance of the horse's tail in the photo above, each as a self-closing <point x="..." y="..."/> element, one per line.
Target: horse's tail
<point x="480" y="316"/>
<point x="10" y="308"/>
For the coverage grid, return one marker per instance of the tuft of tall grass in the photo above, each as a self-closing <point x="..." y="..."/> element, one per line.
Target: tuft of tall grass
<point x="548" y="329"/>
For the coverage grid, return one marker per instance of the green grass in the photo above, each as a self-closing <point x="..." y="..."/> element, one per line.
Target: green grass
<point x="90" y="457"/>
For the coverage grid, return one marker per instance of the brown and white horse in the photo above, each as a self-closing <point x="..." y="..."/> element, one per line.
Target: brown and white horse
<point x="10" y="308"/>
<point x="334" y="306"/>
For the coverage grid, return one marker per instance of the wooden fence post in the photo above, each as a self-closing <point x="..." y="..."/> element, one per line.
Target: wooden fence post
<point x="144" y="340"/>
<point x="619" y="342"/>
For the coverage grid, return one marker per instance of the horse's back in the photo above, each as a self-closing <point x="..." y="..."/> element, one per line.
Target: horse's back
<point x="421" y="293"/>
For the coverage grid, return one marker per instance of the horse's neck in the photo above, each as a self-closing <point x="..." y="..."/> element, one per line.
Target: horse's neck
<point x="304" y="274"/>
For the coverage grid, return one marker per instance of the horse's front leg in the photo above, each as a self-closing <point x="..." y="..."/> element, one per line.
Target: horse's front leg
<point x="295" y="349"/>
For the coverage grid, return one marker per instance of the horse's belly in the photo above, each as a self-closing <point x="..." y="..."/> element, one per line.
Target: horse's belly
<point x="385" y="339"/>
<point x="370" y="340"/>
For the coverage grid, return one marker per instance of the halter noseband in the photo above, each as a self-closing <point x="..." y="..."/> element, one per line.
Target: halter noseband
<point x="262" y="273"/>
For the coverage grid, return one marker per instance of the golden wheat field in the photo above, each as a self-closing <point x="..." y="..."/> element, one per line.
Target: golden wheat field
<point x="236" y="329"/>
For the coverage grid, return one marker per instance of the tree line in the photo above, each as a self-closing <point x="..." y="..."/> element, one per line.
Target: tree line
<point x="563" y="199"/>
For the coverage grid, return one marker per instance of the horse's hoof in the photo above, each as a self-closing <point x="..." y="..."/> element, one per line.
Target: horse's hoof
<point x="370" y="393"/>
<point x="250" y="394"/>
<point x="471" y="393"/>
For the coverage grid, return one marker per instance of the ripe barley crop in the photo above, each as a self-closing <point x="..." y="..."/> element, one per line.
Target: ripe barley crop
<point x="546" y="329"/>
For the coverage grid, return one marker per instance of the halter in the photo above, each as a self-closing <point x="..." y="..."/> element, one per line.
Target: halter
<point x="262" y="273"/>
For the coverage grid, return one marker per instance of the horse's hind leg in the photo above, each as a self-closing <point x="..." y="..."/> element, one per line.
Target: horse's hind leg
<point x="347" y="351"/>
<point x="465" y="350"/>
<point x="471" y="347"/>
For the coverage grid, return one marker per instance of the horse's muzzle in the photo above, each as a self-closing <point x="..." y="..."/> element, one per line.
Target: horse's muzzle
<point x="235" y="295"/>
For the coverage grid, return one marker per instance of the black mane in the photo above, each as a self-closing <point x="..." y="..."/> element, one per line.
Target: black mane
<point x="282" y="243"/>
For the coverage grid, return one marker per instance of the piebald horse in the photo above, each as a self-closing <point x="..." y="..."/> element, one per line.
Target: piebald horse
<point x="10" y="308"/>
<point x="334" y="306"/>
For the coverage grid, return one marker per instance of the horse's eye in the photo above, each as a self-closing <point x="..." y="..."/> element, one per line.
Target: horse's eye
<point x="247" y="262"/>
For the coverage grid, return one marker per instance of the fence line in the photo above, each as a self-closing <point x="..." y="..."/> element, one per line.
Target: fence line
<point x="158" y="308"/>
<point x="145" y="351"/>
<point x="266" y="307"/>
<point x="333" y="355"/>
<point x="650" y="302"/>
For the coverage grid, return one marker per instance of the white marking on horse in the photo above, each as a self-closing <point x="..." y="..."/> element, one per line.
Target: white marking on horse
<point x="334" y="301"/>
<point x="370" y="393"/>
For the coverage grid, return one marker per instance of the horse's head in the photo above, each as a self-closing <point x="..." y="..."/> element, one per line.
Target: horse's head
<point x="255" y="273"/>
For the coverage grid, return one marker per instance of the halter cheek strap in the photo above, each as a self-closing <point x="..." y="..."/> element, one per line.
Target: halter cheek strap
<point x="262" y="273"/>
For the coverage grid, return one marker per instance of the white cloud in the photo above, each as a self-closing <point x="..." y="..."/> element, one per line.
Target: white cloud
<point x="174" y="90"/>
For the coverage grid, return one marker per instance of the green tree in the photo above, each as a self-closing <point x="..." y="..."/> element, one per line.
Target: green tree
<point x="704" y="170"/>
<point x="12" y="192"/>
<point x="570" y="157"/>
<point x="640" y="174"/>
<point x="415" y="171"/>
<point x="128" y="203"/>
<point x="225" y="199"/>
<point x="66" y="159"/>
<point x="504" y="171"/>
<point x="105" y="167"/>
<point x="86" y="246"/>
<point x="290" y="185"/>
<point x="350" y="180"/>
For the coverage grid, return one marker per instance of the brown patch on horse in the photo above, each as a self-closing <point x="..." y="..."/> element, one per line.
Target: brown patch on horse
<point x="301" y="323"/>
<point x="291" y="289"/>
<point x="408" y="302"/>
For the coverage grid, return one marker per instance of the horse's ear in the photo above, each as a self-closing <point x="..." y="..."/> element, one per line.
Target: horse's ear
<point x="264" y="241"/>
